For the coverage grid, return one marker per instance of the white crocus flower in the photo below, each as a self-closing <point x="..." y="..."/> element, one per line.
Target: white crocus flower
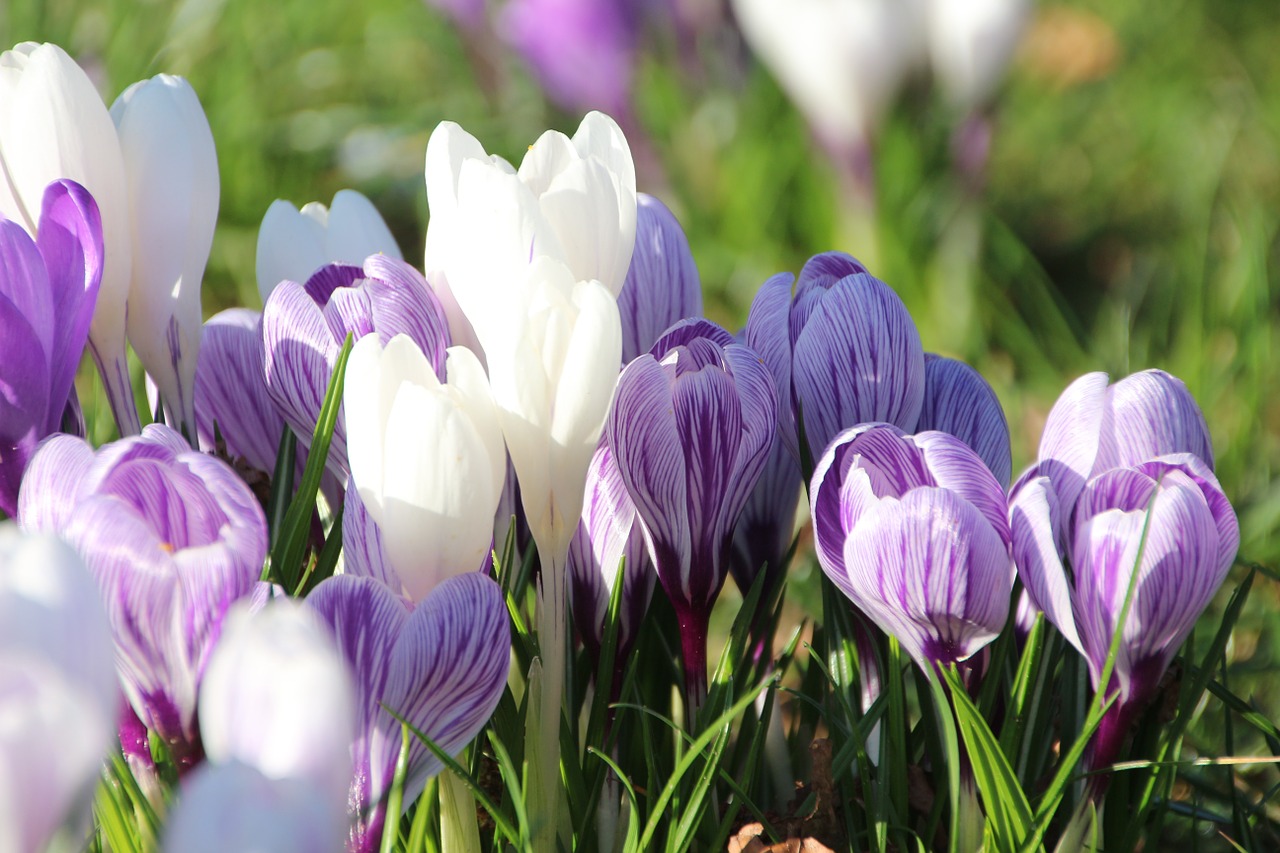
<point x="172" y="172"/>
<point x="53" y="124"/>
<point x="427" y="457"/>
<point x="59" y="694"/>
<point x="277" y="696"/>
<point x="971" y="44"/>
<point x="294" y="243"/>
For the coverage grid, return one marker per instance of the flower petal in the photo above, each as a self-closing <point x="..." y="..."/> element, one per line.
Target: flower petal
<point x="662" y="283"/>
<point x="1069" y="444"/>
<point x="1149" y="414"/>
<point x="957" y="400"/>
<point x="1035" y="520"/>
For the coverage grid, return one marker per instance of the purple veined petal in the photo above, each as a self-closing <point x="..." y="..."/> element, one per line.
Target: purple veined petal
<point x="758" y="400"/>
<point x="231" y="392"/>
<point x="688" y="330"/>
<point x="363" y="554"/>
<point x="51" y="486"/>
<point x="764" y="529"/>
<point x="350" y="309"/>
<point x="367" y="619"/>
<point x="957" y="400"/>
<point x="403" y="303"/>
<point x="646" y="443"/>
<point x="1176" y="580"/>
<point x="819" y="274"/>
<point x="1035" y="520"/>
<point x="1069" y="444"/>
<point x="447" y="672"/>
<point x="70" y="239"/>
<point x="955" y="466"/>
<point x="156" y="441"/>
<point x="662" y="284"/>
<point x="330" y="278"/>
<point x="1224" y="516"/>
<point x="1149" y="414"/>
<point x="24" y="399"/>
<point x="24" y="283"/>
<point x="930" y="571"/>
<point x="857" y="360"/>
<point x="767" y="333"/>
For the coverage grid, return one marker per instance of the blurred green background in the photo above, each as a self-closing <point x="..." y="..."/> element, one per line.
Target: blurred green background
<point x="1128" y="217"/>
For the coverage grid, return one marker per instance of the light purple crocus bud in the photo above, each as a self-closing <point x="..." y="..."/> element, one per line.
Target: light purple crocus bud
<point x="581" y="51"/>
<point x="856" y="354"/>
<point x="58" y="688"/>
<point x="304" y="326"/>
<point x="231" y="393"/>
<point x="441" y="666"/>
<point x="48" y="288"/>
<point x="1094" y="427"/>
<point x="608" y="533"/>
<point x="662" y="284"/>
<point x="958" y="401"/>
<point x="1171" y="512"/>
<point x="913" y="529"/>
<point x="173" y="537"/>
<point x="690" y="429"/>
<point x="235" y="806"/>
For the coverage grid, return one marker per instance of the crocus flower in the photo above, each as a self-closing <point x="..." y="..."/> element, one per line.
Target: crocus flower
<point x="1172" y="513"/>
<point x="441" y="666"/>
<point x="573" y="200"/>
<point x="235" y="806"/>
<point x="173" y="537"/>
<point x="171" y="170"/>
<point x="913" y="529"/>
<point x="58" y="688"/>
<point x="48" y="288"/>
<point x="690" y="430"/>
<point x="581" y="51"/>
<point x="293" y="243"/>
<point x="662" y="285"/>
<point x="970" y="45"/>
<point x="958" y="401"/>
<point x="607" y="534"/>
<point x="304" y="326"/>
<point x="54" y="125"/>
<point x="427" y="458"/>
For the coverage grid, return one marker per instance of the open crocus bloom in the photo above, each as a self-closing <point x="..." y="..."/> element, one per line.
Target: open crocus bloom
<point x="173" y="537"/>
<point x="913" y="530"/>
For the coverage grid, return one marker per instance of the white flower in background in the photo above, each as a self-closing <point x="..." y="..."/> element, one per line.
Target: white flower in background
<point x="53" y="124"/>
<point x="426" y="457"/>
<point x="971" y="44"/>
<point x="172" y="172"/>
<point x="840" y="61"/>
<point x="573" y="199"/>
<point x="293" y="243"/>
<point x="58" y="689"/>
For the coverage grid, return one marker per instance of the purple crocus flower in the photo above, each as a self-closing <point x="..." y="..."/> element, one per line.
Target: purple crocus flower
<point x="1171" y="512"/>
<point x="607" y="534"/>
<point x="958" y="401"/>
<point x="662" y="283"/>
<point x="581" y="51"/>
<point x="690" y="428"/>
<point x="48" y="289"/>
<point x="442" y="666"/>
<point x="173" y="537"/>
<point x="303" y="327"/>
<point x="913" y="529"/>
<point x="231" y="393"/>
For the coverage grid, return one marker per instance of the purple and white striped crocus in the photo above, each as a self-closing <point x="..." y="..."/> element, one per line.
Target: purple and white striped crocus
<point x="48" y="289"/>
<point x="662" y="285"/>
<point x="607" y="534"/>
<point x="1170" y="514"/>
<point x="441" y="666"/>
<point x="690" y="428"/>
<point x="304" y="326"/>
<point x="914" y="530"/>
<point x="173" y="537"/>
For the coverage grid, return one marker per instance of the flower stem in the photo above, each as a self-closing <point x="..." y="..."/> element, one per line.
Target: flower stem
<point x="693" y="648"/>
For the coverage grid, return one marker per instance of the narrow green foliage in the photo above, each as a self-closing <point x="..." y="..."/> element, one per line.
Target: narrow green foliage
<point x="395" y="797"/>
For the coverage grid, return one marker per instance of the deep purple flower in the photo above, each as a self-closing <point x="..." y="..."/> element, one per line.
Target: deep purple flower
<point x="1172" y="512"/>
<point x="173" y="537"/>
<point x="662" y="283"/>
<point x="690" y="430"/>
<point x="48" y="290"/>
<point x="608" y="533"/>
<point x="913" y="529"/>
<point x="303" y="327"/>
<point x="441" y="666"/>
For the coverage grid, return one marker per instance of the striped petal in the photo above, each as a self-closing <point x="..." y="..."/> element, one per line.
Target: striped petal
<point x="363" y="554"/>
<point x="1069" y="443"/>
<point x="1149" y="414"/>
<point x="957" y="400"/>
<point x="685" y="331"/>
<point x="767" y="333"/>
<point x="231" y="393"/>
<point x="819" y="274"/>
<point x="1036" y="524"/>
<point x="51" y="487"/>
<point x="662" y="284"/>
